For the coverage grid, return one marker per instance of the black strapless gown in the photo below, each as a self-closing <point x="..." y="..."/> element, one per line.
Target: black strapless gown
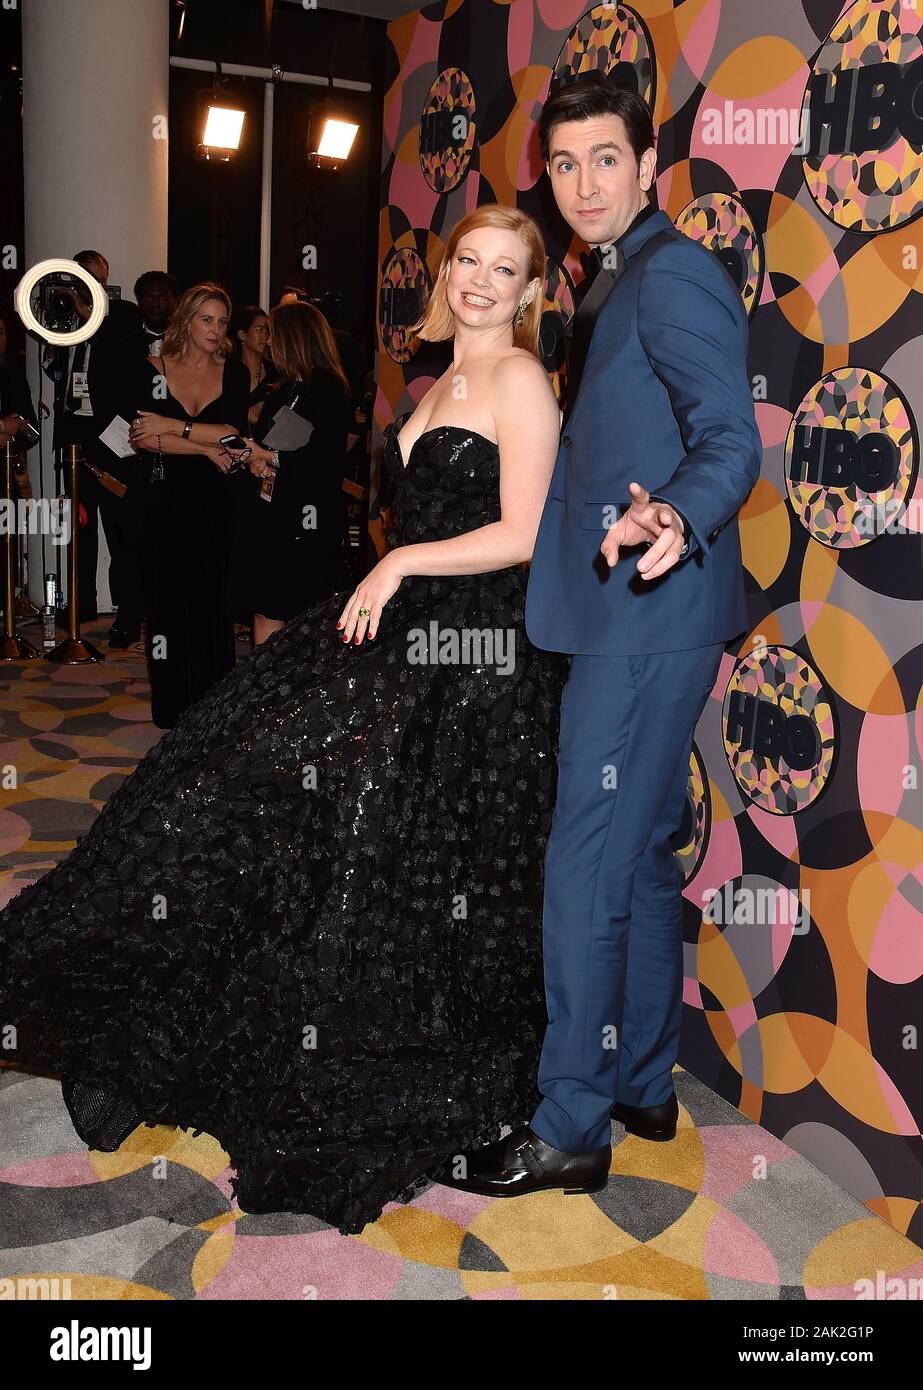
<point x="309" y="922"/>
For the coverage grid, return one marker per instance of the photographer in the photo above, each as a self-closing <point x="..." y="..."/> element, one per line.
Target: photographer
<point x="92" y="373"/>
<point x="116" y="373"/>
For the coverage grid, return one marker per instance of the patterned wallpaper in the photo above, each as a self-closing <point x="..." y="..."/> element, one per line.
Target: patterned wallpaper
<point x="789" y="143"/>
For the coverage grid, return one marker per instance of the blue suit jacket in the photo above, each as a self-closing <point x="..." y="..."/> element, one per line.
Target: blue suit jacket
<point x="664" y="400"/>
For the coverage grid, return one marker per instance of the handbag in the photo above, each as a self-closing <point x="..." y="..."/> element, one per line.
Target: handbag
<point x="288" y="429"/>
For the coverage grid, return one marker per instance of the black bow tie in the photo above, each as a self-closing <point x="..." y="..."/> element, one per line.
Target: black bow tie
<point x="610" y="258"/>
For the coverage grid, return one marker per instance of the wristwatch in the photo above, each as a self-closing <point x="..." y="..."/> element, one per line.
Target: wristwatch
<point x="187" y="429"/>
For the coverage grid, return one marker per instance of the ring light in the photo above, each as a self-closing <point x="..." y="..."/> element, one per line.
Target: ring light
<point x="23" y="295"/>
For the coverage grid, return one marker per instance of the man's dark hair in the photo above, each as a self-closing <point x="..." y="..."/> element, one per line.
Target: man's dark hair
<point x="585" y="97"/>
<point x="83" y="256"/>
<point x="150" y="278"/>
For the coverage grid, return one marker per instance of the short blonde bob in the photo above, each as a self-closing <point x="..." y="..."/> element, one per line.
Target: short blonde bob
<point x="438" y="321"/>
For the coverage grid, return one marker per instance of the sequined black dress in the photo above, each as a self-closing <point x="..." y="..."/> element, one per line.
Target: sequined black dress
<point x="309" y="923"/>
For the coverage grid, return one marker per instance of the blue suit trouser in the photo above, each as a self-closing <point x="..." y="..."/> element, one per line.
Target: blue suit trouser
<point x="612" y="920"/>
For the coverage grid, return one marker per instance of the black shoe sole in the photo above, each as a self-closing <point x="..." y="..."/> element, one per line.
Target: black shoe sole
<point x="481" y="1190"/>
<point x="658" y="1136"/>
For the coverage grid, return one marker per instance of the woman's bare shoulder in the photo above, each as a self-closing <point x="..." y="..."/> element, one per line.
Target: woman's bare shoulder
<point x="520" y="370"/>
<point x="521" y="387"/>
<point x="517" y="354"/>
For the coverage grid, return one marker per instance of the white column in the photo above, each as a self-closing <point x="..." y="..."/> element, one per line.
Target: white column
<point x="95" y="102"/>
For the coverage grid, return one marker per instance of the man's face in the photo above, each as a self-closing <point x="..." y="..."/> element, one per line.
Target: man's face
<point x="156" y="303"/>
<point x="598" y="184"/>
<point x="98" y="269"/>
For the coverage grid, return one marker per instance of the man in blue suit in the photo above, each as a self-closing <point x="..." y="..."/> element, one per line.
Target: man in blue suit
<point x="637" y="575"/>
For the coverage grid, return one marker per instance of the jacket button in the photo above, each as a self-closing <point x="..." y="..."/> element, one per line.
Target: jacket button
<point x="565" y="439"/>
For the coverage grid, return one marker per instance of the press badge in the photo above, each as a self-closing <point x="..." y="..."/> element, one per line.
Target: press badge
<point x="267" y="486"/>
<point x="79" y="385"/>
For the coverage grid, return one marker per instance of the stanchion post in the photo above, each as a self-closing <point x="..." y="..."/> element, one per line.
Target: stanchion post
<point x="74" y="649"/>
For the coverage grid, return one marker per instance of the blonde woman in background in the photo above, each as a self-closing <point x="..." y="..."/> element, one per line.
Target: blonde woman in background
<point x="191" y="395"/>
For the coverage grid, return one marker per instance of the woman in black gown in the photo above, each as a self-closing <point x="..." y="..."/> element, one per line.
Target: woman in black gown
<point x="309" y="923"/>
<point x="249" y="332"/>
<point x="190" y="396"/>
<point x="294" y="540"/>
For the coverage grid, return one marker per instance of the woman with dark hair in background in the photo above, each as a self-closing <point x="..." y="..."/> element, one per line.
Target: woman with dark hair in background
<point x="192" y="394"/>
<point x="249" y="334"/>
<point x="297" y="518"/>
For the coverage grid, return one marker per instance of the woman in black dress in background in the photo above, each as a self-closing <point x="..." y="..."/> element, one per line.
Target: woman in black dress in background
<point x="191" y="396"/>
<point x="294" y="551"/>
<point x="249" y="333"/>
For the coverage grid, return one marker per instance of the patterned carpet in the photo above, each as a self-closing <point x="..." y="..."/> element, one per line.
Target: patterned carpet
<point x="726" y="1211"/>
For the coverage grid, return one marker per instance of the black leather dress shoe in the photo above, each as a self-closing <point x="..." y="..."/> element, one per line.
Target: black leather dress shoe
<point x="649" y="1121"/>
<point x="522" y="1162"/>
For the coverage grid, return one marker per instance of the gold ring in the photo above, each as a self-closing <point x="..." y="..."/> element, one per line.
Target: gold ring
<point x="364" y="612"/>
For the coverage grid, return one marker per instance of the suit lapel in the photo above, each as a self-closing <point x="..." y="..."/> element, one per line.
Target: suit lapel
<point x="581" y="325"/>
<point x="579" y="330"/>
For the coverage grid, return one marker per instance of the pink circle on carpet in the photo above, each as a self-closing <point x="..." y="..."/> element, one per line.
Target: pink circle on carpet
<point x="733" y="1249"/>
<point x="52" y="1170"/>
<point x="283" y="1267"/>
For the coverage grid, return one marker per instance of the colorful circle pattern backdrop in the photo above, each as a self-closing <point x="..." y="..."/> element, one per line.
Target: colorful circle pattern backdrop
<point x="790" y="144"/>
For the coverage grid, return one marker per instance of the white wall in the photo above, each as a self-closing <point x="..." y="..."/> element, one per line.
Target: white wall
<point x="95" y="102"/>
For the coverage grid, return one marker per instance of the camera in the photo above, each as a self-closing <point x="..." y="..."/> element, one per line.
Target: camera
<point x="28" y="433"/>
<point x="55" y="308"/>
